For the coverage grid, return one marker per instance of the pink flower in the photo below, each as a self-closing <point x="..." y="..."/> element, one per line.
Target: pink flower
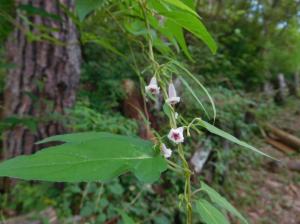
<point x="173" y="98"/>
<point x="152" y="87"/>
<point x="176" y="135"/>
<point x="166" y="151"/>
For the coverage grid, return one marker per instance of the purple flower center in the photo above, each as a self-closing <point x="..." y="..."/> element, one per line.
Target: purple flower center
<point x="175" y="136"/>
<point x="152" y="90"/>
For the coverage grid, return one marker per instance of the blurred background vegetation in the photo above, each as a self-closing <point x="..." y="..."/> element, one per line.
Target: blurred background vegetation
<point x="258" y="44"/>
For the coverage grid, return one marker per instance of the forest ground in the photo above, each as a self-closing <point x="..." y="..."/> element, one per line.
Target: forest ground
<point x="271" y="194"/>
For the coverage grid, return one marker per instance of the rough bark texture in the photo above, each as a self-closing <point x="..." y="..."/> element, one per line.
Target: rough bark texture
<point x="44" y="80"/>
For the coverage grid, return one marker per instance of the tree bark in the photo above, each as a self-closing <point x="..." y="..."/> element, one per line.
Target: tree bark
<point x="282" y="92"/>
<point x="44" y="80"/>
<point x="296" y="84"/>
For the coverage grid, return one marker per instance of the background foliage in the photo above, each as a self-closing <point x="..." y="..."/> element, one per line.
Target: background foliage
<point x="256" y="41"/>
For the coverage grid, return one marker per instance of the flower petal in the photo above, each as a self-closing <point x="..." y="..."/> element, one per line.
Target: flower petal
<point x="172" y="91"/>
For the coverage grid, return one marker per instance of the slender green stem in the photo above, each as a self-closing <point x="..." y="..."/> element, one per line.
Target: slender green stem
<point x="186" y="170"/>
<point x="187" y="188"/>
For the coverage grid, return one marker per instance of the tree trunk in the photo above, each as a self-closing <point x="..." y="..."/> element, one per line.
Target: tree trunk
<point x="296" y="84"/>
<point x="282" y="91"/>
<point x="44" y="80"/>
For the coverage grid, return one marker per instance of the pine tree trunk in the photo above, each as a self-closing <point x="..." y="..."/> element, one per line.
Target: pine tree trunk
<point x="44" y="80"/>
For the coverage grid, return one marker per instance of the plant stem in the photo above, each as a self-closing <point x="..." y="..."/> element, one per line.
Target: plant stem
<point x="187" y="187"/>
<point x="186" y="170"/>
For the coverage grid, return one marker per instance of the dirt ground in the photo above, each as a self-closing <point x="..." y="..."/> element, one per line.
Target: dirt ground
<point x="276" y="195"/>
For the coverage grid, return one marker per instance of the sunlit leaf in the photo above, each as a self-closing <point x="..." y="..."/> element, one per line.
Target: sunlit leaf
<point x="181" y="5"/>
<point x="185" y="20"/>
<point x="190" y="3"/>
<point x="209" y="214"/>
<point x="89" y="156"/>
<point x="216" y="198"/>
<point x="177" y="32"/>
<point x="192" y="24"/>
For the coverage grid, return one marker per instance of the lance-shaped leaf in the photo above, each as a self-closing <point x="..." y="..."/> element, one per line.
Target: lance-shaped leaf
<point x="84" y="7"/>
<point x="89" y="156"/>
<point x="210" y="214"/>
<point x="193" y="25"/>
<point x="216" y="198"/>
<point x="229" y="137"/>
<point x="181" y="5"/>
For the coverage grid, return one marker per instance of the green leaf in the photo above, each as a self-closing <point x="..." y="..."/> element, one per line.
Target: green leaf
<point x="192" y="24"/>
<point x="126" y="219"/>
<point x="193" y="94"/>
<point x="221" y="201"/>
<point x="189" y="74"/>
<point x="177" y="32"/>
<point x="190" y="3"/>
<point x="229" y="137"/>
<point x="168" y="110"/>
<point x="92" y="38"/>
<point x="181" y="5"/>
<point x="209" y="214"/>
<point x="89" y="156"/>
<point x="84" y="7"/>
<point x="31" y="10"/>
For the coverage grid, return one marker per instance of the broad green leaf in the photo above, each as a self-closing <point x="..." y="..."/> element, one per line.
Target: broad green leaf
<point x="181" y="5"/>
<point x="89" y="156"/>
<point x="192" y="24"/>
<point x="209" y="214"/>
<point x="216" y="198"/>
<point x="84" y="7"/>
<point x="229" y="137"/>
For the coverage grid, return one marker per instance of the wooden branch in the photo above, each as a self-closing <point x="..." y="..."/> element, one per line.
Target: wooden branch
<point x="280" y="146"/>
<point x="284" y="137"/>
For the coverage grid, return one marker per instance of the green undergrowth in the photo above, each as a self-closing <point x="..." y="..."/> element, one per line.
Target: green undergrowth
<point x="97" y="202"/>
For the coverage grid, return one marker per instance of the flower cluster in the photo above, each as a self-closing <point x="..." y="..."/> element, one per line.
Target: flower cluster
<point x="175" y="134"/>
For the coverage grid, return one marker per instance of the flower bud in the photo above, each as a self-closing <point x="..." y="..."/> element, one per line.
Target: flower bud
<point x="166" y="151"/>
<point x="172" y="98"/>
<point x="152" y="87"/>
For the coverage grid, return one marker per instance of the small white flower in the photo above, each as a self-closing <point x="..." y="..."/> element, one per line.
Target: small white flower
<point x="176" y="135"/>
<point x="173" y="98"/>
<point x="152" y="87"/>
<point x="166" y="151"/>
